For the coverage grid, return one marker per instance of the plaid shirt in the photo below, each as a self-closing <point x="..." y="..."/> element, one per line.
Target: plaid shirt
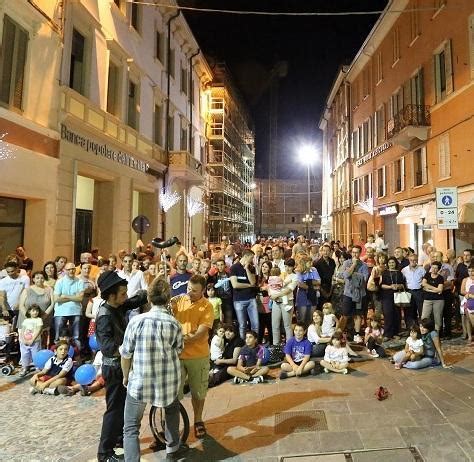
<point x="154" y="341"/>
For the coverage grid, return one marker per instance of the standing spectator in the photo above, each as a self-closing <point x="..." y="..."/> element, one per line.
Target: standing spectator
<point x="467" y="304"/>
<point x="229" y="255"/>
<point x="433" y="302"/>
<point x="243" y="280"/>
<point x="152" y="338"/>
<point x="277" y="258"/>
<point x="263" y="302"/>
<point x="447" y="272"/>
<point x="25" y="262"/>
<point x="460" y="274"/>
<point x="134" y="277"/>
<point x="50" y="274"/>
<point x="179" y="280"/>
<point x="355" y="274"/>
<point x="196" y="317"/>
<point x="13" y="285"/>
<point x="60" y="263"/>
<point x="195" y="265"/>
<point x="413" y="274"/>
<point x="370" y="244"/>
<point x="86" y="257"/>
<point x="223" y="288"/>
<point x="110" y="330"/>
<point x="401" y="260"/>
<point x="68" y="295"/>
<point x="306" y="296"/>
<point x="325" y="267"/>
<point x="380" y="245"/>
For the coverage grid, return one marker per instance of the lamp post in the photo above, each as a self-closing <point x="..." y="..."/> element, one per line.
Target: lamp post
<point x="307" y="154"/>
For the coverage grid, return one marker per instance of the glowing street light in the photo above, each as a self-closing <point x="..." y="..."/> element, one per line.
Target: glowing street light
<point x="307" y="155"/>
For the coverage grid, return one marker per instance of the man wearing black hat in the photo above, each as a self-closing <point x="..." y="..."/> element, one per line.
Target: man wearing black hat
<point x="110" y="328"/>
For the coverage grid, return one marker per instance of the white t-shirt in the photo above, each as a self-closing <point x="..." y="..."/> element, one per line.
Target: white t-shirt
<point x="136" y="282"/>
<point x="312" y="334"/>
<point x="328" y="326"/>
<point x="415" y="345"/>
<point x="217" y="347"/>
<point x="29" y="326"/>
<point x="13" y="288"/>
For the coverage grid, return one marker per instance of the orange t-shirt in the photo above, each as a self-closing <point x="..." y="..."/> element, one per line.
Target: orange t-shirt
<point x="191" y="316"/>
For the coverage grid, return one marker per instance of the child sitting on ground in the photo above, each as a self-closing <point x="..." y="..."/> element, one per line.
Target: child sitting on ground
<point x="275" y="284"/>
<point x="414" y="349"/>
<point x="297" y="355"/>
<point x="57" y="371"/>
<point x="30" y="337"/>
<point x="249" y="365"/>
<point x="374" y="337"/>
<point x="328" y="328"/>
<point x="336" y="358"/>
<point x="65" y="336"/>
<point x="217" y="343"/>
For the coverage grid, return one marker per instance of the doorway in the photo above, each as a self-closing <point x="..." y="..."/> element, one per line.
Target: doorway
<point x="83" y="241"/>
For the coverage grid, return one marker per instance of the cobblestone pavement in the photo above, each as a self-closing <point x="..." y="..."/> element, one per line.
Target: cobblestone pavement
<point x="430" y="412"/>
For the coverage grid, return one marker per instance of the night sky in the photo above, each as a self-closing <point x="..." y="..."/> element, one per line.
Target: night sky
<point x="313" y="46"/>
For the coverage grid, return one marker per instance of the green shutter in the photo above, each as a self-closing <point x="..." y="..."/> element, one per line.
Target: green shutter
<point x="6" y="69"/>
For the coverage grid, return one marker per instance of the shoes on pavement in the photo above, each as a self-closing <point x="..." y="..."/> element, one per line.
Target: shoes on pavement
<point x="238" y="380"/>
<point x="33" y="391"/>
<point x="398" y="366"/>
<point x="64" y="390"/>
<point x="179" y="454"/>
<point x="85" y="390"/>
<point x="156" y="446"/>
<point x="51" y="391"/>
<point x="115" y="458"/>
<point x="374" y="354"/>
<point x="326" y="370"/>
<point x="23" y="372"/>
<point x="345" y="371"/>
<point x="258" y="379"/>
<point x="283" y="375"/>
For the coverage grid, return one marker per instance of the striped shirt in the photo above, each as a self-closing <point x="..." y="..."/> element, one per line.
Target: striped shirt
<point x="154" y="341"/>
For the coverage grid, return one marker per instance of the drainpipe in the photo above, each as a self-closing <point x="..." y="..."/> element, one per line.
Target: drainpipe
<point x="167" y="124"/>
<point x="190" y="97"/>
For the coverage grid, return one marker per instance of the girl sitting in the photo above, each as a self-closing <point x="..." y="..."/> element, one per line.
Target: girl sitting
<point x="374" y="337"/>
<point x="57" y="371"/>
<point x="414" y="349"/>
<point x="329" y="325"/>
<point x="336" y="358"/>
<point x="30" y="337"/>
<point x="249" y="366"/>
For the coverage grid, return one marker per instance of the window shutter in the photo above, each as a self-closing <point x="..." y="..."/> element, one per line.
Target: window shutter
<point x="448" y="63"/>
<point x="370" y="187"/>
<point x="437" y="80"/>
<point x="424" y="172"/>
<point x="384" y="178"/>
<point x="376" y="129"/>
<point x="402" y="173"/>
<point x="444" y="157"/>
<point x="8" y="43"/>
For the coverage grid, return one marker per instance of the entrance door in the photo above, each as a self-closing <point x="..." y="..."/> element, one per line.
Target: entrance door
<point x="83" y="242"/>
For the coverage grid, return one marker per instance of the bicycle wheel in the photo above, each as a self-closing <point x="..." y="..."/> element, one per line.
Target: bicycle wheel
<point x="157" y="423"/>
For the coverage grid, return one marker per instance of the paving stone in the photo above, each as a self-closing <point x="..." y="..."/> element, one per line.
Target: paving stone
<point x="340" y="441"/>
<point x="389" y="437"/>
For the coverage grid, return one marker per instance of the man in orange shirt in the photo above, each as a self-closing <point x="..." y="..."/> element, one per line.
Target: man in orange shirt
<point x="196" y="316"/>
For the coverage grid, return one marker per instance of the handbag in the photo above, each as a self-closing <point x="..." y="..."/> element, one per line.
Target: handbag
<point x="402" y="298"/>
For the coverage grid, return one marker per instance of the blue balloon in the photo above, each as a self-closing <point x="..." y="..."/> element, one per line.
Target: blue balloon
<point x="70" y="352"/>
<point x="93" y="343"/>
<point x="85" y="374"/>
<point x="40" y="358"/>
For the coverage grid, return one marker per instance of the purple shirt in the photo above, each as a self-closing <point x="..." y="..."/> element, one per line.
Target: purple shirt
<point x="298" y="349"/>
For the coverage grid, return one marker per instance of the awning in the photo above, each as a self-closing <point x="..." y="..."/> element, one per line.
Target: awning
<point x="414" y="214"/>
<point x="466" y="207"/>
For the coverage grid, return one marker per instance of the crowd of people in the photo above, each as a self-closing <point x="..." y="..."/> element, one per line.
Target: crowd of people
<point x="219" y="313"/>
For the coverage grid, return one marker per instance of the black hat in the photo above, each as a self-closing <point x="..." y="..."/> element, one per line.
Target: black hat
<point x="109" y="279"/>
<point x="290" y="262"/>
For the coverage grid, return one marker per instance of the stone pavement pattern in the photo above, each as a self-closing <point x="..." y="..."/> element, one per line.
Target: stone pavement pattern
<point x="432" y="410"/>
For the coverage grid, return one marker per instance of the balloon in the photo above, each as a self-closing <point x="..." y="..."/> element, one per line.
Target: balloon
<point x="40" y="358"/>
<point x="265" y="356"/>
<point x="93" y="343"/>
<point x="70" y="352"/>
<point x="85" y="374"/>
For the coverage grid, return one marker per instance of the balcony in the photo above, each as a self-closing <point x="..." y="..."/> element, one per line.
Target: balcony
<point x="410" y="126"/>
<point x="185" y="168"/>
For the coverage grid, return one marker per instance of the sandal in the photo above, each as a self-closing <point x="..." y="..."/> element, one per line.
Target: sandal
<point x="199" y="430"/>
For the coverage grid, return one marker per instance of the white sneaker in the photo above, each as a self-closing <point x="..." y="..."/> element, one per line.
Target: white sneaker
<point x="237" y="380"/>
<point x="50" y="391"/>
<point x="33" y="391"/>
<point x="357" y="338"/>
<point x="345" y="371"/>
<point x="374" y="354"/>
<point x="258" y="379"/>
<point x="326" y="370"/>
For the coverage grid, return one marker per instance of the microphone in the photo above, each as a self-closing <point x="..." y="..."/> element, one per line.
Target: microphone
<point x="160" y="244"/>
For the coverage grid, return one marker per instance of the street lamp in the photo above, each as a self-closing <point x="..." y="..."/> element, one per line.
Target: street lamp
<point x="307" y="154"/>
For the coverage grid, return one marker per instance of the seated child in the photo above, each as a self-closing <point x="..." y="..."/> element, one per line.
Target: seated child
<point x="414" y="349"/>
<point x="30" y="337"/>
<point x="65" y="336"/>
<point x="315" y="335"/>
<point x="249" y="365"/>
<point x="217" y="343"/>
<point x="275" y="284"/>
<point x="297" y="355"/>
<point x="86" y="390"/>
<point x="57" y="371"/>
<point x="329" y="324"/>
<point x="374" y="337"/>
<point x="336" y="358"/>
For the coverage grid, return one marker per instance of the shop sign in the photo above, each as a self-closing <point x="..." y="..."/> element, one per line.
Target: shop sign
<point x="388" y="210"/>
<point x="374" y="153"/>
<point x="101" y="149"/>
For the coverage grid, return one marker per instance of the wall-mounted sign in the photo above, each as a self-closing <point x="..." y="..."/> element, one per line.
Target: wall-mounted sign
<point x="101" y="149"/>
<point x="447" y="208"/>
<point x="383" y="147"/>
<point x="388" y="210"/>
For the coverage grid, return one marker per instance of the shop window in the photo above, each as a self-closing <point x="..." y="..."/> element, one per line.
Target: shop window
<point x="12" y="63"/>
<point x="443" y="72"/>
<point x="77" y="71"/>
<point x="113" y="89"/>
<point x="12" y="225"/>
<point x="420" y="174"/>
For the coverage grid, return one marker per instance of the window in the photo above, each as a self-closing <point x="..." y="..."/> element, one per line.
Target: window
<point x="77" y="68"/>
<point x="414" y="21"/>
<point x="158" y="125"/>
<point x="396" y="45"/>
<point x="355" y="144"/>
<point x="443" y="72"/>
<point x="135" y="16"/>
<point x="417" y="96"/>
<point x="12" y="63"/>
<point x="366" y="82"/>
<point x="159" y="46"/>
<point x="132" y="106"/>
<point x="381" y="186"/>
<point x="365" y="137"/>
<point x="380" y="125"/>
<point x="171" y="133"/>
<point x="379" y="68"/>
<point x="444" y="156"/>
<point x="172" y="64"/>
<point x="420" y="174"/>
<point x="355" y="190"/>
<point x="12" y="224"/>
<point x="184" y="80"/>
<point x="183" y="139"/>
<point x="355" y="94"/>
<point x="396" y="103"/>
<point x="113" y="90"/>
<point x="399" y="175"/>
<point x="367" y="187"/>
<point x="293" y="219"/>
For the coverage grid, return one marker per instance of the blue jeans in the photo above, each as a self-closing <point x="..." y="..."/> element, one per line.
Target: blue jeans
<point x="244" y="308"/>
<point x="74" y="324"/>
<point x="132" y="418"/>
<point x="420" y="364"/>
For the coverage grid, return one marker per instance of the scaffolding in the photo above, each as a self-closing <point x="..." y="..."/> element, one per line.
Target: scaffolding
<point x="230" y="165"/>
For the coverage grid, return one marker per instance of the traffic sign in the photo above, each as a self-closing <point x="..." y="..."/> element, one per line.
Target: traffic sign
<point x="447" y="218"/>
<point x="446" y="198"/>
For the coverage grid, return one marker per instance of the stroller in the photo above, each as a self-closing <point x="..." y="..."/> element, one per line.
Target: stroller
<point x="9" y="349"/>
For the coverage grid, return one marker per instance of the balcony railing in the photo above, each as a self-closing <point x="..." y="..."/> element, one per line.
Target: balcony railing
<point x="412" y="115"/>
<point x="183" y="159"/>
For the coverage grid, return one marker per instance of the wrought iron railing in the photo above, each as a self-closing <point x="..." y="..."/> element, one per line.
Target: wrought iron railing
<point x="411" y="115"/>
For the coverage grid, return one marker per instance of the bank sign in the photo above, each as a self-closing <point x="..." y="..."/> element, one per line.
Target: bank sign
<point x="101" y="149"/>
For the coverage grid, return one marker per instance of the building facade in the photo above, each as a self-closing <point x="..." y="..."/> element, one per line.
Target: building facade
<point x="281" y="207"/>
<point x="230" y="162"/>
<point x="100" y="108"/>
<point x="412" y="119"/>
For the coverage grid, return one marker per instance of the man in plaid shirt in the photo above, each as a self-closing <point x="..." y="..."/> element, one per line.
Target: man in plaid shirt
<point x="152" y="343"/>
